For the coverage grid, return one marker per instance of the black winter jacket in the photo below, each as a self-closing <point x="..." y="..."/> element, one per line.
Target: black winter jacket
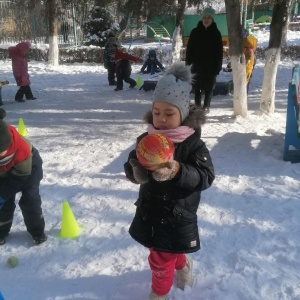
<point x="204" y="50"/>
<point x="166" y="213"/>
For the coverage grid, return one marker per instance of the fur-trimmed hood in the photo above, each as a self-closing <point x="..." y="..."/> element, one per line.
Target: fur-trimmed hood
<point x="195" y="119"/>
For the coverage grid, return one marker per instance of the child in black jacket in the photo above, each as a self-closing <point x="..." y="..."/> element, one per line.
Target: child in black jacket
<point x="166" y="210"/>
<point x="152" y="64"/>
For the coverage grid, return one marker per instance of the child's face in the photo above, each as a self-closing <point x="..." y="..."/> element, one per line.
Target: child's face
<point x="165" y="116"/>
<point x="152" y="57"/>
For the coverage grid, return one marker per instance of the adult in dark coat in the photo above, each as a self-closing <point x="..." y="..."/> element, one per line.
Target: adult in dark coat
<point x="205" y="53"/>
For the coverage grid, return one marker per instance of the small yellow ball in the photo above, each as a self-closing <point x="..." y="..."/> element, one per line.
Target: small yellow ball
<point x="12" y="261"/>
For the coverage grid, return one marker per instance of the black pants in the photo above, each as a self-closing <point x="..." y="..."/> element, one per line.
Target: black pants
<point x="111" y="71"/>
<point x="126" y="77"/>
<point x="204" y="86"/>
<point x="30" y="202"/>
<point x="23" y="90"/>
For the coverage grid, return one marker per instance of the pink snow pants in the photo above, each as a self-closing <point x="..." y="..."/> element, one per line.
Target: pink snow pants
<point x="163" y="266"/>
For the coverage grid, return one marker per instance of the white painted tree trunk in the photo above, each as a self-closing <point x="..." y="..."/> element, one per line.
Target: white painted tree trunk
<point x="53" y="55"/>
<point x="240" y="106"/>
<point x="176" y="44"/>
<point x="267" y="102"/>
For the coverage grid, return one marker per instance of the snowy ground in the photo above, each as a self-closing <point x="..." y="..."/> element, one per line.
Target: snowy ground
<point x="248" y="220"/>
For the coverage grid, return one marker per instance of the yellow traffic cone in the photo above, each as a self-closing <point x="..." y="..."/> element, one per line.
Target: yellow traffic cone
<point x="139" y="81"/>
<point x="21" y="128"/>
<point x="69" y="226"/>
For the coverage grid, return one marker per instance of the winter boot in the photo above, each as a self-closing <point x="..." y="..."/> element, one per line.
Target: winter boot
<point x="3" y="240"/>
<point x="154" y="296"/>
<point x="184" y="276"/>
<point x="40" y="239"/>
<point x="206" y="109"/>
<point x="132" y="85"/>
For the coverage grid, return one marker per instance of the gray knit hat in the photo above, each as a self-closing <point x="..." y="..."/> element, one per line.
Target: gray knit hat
<point x="175" y="87"/>
<point x="5" y="137"/>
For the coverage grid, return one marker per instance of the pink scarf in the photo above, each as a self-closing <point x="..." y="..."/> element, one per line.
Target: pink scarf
<point x="177" y="135"/>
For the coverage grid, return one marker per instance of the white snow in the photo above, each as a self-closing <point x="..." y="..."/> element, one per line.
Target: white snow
<point x="248" y="220"/>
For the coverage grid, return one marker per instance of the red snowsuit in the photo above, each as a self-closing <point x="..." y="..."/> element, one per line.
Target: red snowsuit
<point x="19" y="63"/>
<point x="20" y="70"/>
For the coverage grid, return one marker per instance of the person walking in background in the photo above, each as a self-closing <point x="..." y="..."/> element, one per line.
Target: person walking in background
<point x="20" y="70"/>
<point x="249" y="44"/>
<point x="123" y="67"/>
<point x="20" y="171"/>
<point x="152" y="64"/>
<point x="204" y="52"/>
<point x="108" y="60"/>
<point x="166" y="210"/>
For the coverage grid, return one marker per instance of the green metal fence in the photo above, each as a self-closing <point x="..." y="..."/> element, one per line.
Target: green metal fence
<point x="19" y="23"/>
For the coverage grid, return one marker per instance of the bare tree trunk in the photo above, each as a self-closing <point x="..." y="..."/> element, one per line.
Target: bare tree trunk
<point x="177" y="34"/>
<point x="53" y="56"/>
<point x="176" y="44"/>
<point x="279" y="19"/>
<point x="284" y="34"/>
<point x="237" y="57"/>
<point x="286" y="26"/>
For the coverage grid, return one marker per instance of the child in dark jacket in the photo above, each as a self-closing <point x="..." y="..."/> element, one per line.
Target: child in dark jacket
<point x="123" y="67"/>
<point x="109" y="62"/>
<point x="20" y="70"/>
<point x="166" y="215"/>
<point x="20" y="171"/>
<point x="152" y="64"/>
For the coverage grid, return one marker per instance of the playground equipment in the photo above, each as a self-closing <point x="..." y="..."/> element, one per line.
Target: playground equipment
<point x="292" y="130"/>
<point x="159" y="31"/>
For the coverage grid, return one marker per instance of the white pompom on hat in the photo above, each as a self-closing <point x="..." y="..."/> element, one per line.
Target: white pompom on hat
<point x="175" y="87"/>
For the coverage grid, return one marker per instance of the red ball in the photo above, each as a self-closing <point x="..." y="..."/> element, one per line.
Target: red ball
<point x="154" y="149"/>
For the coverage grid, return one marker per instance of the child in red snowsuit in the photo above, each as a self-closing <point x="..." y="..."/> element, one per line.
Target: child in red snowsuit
<point x="123" y="67"/>
<point x="20" y="70"/>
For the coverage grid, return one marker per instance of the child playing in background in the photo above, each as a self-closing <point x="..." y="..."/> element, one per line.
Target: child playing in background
<point x="249" y="44"/>
<point x="2" y="83"/>
<point x="166" y="215"/>
<point x="20" y="171"/>
<point x="20" y="70"/>
<point x="152" y="64"/>
<point x="109" y="62"/>
<point x="123" y="67"/>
